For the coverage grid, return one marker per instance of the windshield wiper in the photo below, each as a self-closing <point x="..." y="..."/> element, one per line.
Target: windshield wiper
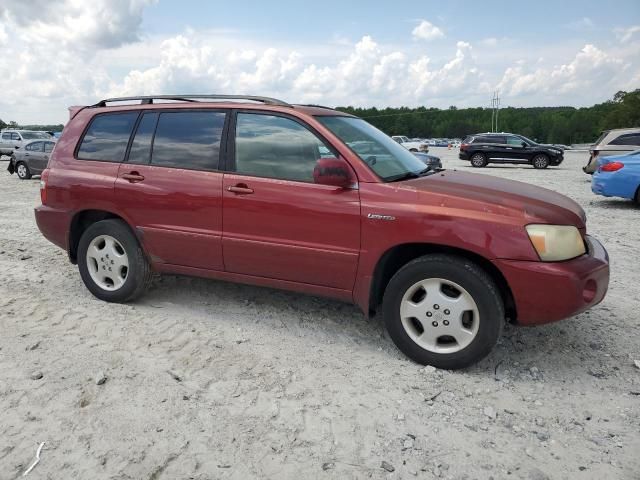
<point x="411" y="175"/>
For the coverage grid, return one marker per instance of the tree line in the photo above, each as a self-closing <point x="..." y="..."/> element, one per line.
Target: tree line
<point x="564" y="125"/>
<point x="545" y="124"/>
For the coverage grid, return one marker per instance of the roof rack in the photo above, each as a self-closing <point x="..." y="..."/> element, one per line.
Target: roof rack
<point x="148" y="99"/>
<point x="314" y="105"/>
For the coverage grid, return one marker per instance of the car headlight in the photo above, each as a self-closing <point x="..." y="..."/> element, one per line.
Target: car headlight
<point x="555" y="243"/>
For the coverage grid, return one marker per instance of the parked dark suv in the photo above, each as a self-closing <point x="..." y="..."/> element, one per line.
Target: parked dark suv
<point x="314" y="200"/>
<point x="484" y="148"/>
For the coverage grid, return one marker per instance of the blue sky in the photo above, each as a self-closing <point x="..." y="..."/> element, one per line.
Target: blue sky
<point x="331" y="52"/>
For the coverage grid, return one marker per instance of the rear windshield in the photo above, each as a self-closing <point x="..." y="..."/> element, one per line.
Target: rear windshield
<point x="601" y="137"/>
<point x="34" y="135"/>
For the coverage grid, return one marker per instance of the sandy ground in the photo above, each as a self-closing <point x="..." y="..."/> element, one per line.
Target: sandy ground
<point x="210" y="380"/>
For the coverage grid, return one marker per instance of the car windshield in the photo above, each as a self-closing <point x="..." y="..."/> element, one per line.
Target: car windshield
<point x="529" y="141"/>
<point x="389" y="160"/>
<point x="34" y="135"/>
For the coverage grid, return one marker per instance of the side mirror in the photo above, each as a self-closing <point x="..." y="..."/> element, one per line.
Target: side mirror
<point x="333" y="171"/>
<point x="524" y="144"/>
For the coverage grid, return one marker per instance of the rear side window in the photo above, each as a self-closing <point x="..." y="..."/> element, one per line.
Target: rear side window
<point x="6" y="136"/>
<point x="627" y="139"/>
<point x="48" y="147"/>
<point x="489" y="140"/>
<point x="35" y="147"/>
<point x="15" y="136"/>
<point x="188" y="140"/>
<point x="107" y="137"/>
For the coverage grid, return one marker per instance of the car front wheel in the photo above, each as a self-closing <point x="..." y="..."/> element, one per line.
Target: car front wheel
<point x="540" y="161"/>
<point x="443" y="310"/>
<point x="478" y="160"/>
<point x="111" y="262"/>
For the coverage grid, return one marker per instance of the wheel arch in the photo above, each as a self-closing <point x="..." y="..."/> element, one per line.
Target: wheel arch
<point x="83" y="220"/>
<point x="398" y="256"/>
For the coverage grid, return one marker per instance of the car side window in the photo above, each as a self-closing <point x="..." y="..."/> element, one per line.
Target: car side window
<point x="35" y="147"/>
<point x="514" y="141"/>
<point x="15" y="136"/>
<point x="188" y="140"/>
<point x="107" y="137"/>
<point x="140" y="151"/>
<point x="276" y="147"/>
<point x="48" y="147"/>
<point x="627" y="139"/>
<point x="6" y="136"/>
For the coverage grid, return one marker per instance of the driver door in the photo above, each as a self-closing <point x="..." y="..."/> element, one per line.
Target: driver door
<point x="277" y="223"/>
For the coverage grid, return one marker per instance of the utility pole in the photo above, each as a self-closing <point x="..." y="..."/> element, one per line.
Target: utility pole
<point x="495" y="110"/>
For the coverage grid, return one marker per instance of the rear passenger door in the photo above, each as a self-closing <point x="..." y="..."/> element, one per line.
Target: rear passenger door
<point x="170" y="189"/>
<point x="34" y="154"/>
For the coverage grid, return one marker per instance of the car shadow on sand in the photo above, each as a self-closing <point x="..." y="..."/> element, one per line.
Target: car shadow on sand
<point x="559" y="346"/>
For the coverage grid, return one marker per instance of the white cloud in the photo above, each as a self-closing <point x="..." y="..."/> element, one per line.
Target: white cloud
<point x="53" y="66"/>
<point x="427" y="31"/>
<point x="626" y="34"/>
<point x="590" y="68"/>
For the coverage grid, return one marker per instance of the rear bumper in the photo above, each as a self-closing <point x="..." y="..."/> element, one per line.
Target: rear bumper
<point x="548" y="292"/>
<point x="54" y="224"/>
<point x="613" y="184"/>
<point x="463" y="155"/>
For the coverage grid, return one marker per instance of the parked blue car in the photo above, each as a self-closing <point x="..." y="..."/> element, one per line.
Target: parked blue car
<point x="618" y="176"/>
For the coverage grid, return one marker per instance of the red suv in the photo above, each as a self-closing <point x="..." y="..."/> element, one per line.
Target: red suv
<point x="306" y="198"/>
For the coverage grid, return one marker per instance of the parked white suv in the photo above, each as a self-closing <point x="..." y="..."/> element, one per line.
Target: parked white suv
<point x="10" y="140"/>
<point x="612" y="142"/>
<point x="411" y="146"/>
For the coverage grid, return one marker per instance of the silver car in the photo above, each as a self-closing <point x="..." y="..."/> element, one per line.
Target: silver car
<point x="31" y="159"/>
<point x="612" y="142"/>
<point x="10" y="140"/>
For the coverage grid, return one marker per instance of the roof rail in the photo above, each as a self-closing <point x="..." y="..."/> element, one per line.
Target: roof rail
<point x="148" y="99"/>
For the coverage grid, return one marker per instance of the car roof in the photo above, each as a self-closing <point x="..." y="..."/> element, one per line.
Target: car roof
<point x="208" y="101"/>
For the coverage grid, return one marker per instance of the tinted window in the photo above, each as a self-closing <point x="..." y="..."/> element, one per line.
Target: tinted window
<point x="48" y="147"/>
<point x="188" y="140"/>
<point x="141" y="146"/>
<point x="34" y="135"/>
<point x="35" y="147"/>
<point x="15" y="136"/>
<point x="107" y="137"/>
<point x="275" y="147"/>
<point x="489" y="140"/>
<point x="6" y="136"/>
<point x="515" y="141"/>
<point x="627" y="139"/>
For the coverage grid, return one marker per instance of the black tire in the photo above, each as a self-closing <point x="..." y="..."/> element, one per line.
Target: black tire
<point x="540" y="161"/>
<point x="478" y="160"/>
<point x="139" y="274"/>
<point x="466" y="274"/>
<point x="413" y="150"/>
<point x="637" y="197"/>
<point x="23" y="173"/>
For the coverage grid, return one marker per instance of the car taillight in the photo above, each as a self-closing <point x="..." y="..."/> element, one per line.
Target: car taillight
<point x="464" y="146"/>
<point x="43" y="186"/>
<point x="611" y="167"/>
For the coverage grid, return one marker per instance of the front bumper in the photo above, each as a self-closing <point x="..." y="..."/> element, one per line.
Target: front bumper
<point x="546" y="292"/>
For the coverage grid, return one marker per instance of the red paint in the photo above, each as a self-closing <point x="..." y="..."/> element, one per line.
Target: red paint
<point x="318" y="237"/>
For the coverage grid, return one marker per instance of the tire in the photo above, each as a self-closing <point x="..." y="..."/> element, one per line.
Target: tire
<point x="477" y="336"/>
<point x="413" y="150"/>
<point x="540" y="161"/>
<point x="637" y="197"/>
<point x="138" y="274"/>
<point x="22" y="170"/>
<point x="478" y="160"/>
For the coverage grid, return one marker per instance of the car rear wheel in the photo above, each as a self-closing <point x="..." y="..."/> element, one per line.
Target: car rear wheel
<point x="111" y="262"/>
<point x="478" y="160"/>
<point x="540" y="161"/>
<point x="443" y="310"/>
<point x="23" y="171"/>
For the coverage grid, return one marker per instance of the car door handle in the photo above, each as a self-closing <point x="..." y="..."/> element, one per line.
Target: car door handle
<point x="240" y="189"/>
<point x="133" y="177"/>
<point x="508" y="148"/>
<point x="26" y="154"/>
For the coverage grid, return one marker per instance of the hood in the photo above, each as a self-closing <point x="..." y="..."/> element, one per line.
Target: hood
<point x="499" y="196"/>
